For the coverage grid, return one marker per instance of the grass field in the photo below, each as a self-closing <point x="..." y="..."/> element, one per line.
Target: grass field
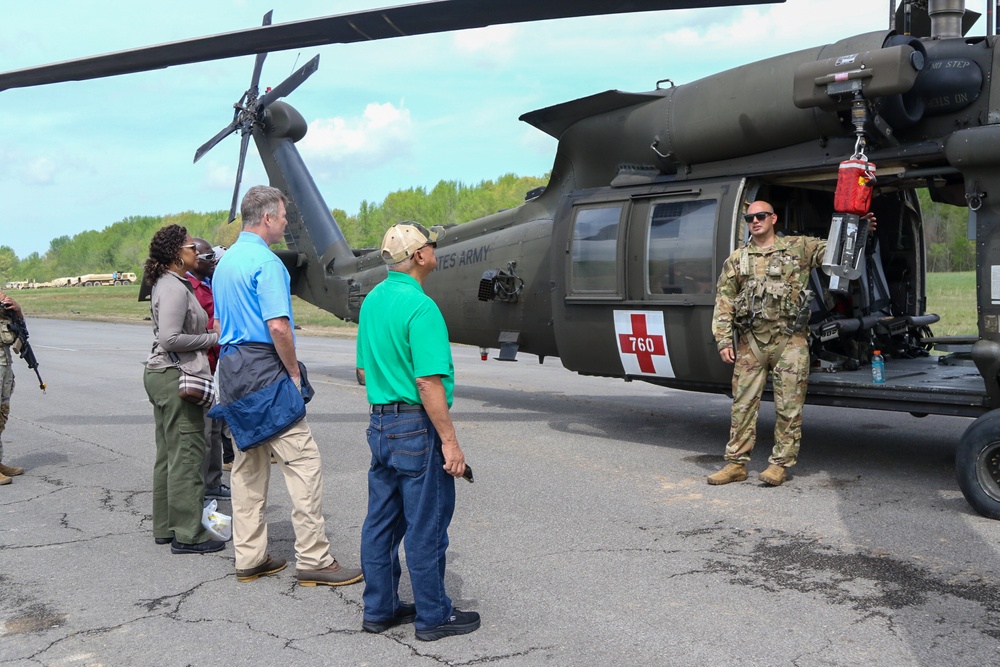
<point x="950" y="295"/>
<point x="953" y="297"/>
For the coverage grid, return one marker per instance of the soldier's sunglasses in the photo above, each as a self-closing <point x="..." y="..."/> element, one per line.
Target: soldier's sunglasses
<point x="760" y="216"/>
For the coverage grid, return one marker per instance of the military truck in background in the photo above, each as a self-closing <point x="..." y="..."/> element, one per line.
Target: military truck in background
<point x="87" y="280"/>
<point x="96" y="279"/>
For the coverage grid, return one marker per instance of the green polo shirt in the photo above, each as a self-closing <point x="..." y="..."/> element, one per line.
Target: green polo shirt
<point x="402" y="336"/>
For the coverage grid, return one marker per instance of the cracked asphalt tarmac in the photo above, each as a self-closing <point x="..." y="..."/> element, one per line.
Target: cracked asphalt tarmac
<point x="588" y="538"/>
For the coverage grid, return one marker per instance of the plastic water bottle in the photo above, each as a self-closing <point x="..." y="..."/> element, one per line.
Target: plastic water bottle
<point x="878" y="368"/>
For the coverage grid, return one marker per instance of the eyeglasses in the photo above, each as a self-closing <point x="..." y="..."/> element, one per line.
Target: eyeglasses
<point x="207" y="256"/>
<point x="190" y="245"/>
<point x="428" y="245"/>
<point x="759" y="216"/>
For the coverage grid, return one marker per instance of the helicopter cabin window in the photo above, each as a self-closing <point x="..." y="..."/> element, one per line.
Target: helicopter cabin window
<point x="679" y="247"/>
<point x="595" y="250"/>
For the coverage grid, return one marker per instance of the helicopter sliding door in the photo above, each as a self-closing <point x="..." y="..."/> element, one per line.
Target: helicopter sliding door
<point x="672" y="271"/>
<point x="635" y="282"/>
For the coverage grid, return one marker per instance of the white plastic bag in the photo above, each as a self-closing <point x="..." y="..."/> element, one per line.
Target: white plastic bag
<point x="218" y="525"/>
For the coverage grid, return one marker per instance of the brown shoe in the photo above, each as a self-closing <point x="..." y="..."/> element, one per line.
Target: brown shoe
<point x="733" y="472"/>
<point x="269" y="566"/>
<point x="775" y="475"/>
<point x="4" y="479"/>
<point x="332" y="575"/>
<point x="11" y="471"/>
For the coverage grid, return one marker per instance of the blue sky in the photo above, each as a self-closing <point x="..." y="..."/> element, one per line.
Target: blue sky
<point x="383" y="116"/>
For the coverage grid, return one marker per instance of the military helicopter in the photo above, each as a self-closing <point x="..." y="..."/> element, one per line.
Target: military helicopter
<point x="612" y="266"/>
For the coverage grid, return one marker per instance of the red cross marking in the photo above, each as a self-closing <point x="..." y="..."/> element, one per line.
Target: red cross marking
<point x="642" y="345"/>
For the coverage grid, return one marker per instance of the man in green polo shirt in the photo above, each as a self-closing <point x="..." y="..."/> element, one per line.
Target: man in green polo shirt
<point x="404" y="358"/>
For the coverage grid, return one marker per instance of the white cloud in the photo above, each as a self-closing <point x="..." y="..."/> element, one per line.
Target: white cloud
<point x="220" y="176"/>
<point x="39" y="171"/>
<point x="492" y="43"/>
<point x="383" y="133"/>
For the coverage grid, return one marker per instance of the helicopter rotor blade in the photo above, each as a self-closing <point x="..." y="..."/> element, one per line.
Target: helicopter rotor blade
<point x="210" y="144"/>
<point x="239" y="175"/>
<point x="258" y="63"/>
<point x="400" y="21"/>
<point x="294" y="80"/>
<point x="251" y="93"/>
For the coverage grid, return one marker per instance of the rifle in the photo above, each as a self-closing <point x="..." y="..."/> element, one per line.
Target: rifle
<point x="20" y="329"/>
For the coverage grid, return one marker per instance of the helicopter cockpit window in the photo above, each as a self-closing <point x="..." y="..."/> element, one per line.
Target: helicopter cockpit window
<point x="679" y="247"/>
<point x="595" y="249"/>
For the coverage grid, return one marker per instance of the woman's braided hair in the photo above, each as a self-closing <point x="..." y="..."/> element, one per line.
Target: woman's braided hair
<point x="164" y="251"/>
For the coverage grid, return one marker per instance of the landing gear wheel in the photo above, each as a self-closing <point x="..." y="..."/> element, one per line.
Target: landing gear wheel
<point x="977" y="463"/>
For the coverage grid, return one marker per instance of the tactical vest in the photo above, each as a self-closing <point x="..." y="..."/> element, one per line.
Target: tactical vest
<point x="7" y="335"/>
<point x="772" y="297"/>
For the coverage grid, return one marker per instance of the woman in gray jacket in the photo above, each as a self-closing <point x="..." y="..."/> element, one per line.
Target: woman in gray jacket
<point x="179" y="339"/>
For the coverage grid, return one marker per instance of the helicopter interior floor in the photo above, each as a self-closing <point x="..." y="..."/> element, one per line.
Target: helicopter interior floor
<point x="948" y="384"/>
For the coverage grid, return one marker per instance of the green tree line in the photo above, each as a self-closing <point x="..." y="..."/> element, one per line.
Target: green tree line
<point x="124" y="245"/>
<point x="946" y="236"/>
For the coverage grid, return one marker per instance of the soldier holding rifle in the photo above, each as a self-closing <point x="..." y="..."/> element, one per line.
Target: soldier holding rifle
<point x="11" y="332"/>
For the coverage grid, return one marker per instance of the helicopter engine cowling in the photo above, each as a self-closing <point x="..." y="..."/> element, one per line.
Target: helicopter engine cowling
<point x="751" y="109"/>
<point x="743" y="111"/>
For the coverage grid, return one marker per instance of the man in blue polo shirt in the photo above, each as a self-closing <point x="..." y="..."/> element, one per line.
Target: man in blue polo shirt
<point x="404" y="358"/>
<point x="261" y="387"/>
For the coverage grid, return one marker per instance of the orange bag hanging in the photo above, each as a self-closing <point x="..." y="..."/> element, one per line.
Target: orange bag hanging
<point x="854" y="186"/>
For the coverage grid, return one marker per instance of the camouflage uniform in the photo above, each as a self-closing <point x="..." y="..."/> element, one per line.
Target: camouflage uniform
<point x="6" y="374"/>
<point x="760" y="294"/>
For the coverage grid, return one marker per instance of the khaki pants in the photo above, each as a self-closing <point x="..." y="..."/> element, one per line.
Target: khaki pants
<point x="789" y="380"/>
<point x="299" y="462"/>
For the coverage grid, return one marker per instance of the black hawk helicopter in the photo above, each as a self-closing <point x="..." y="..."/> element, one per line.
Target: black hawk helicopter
<point x="612" y="266"/>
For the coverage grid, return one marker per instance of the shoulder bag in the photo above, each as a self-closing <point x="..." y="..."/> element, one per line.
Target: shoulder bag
<point x="192" y="388"/>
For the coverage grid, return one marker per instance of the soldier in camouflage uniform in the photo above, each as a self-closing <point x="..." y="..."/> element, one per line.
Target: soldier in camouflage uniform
<point x="763" y="307"/>
<point x="8" y="310"/>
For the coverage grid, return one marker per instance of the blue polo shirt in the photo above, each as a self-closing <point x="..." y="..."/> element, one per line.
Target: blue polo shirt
<point x="250" y="286"/>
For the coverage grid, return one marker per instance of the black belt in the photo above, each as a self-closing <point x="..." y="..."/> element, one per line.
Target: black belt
<point x="395" y="407"/>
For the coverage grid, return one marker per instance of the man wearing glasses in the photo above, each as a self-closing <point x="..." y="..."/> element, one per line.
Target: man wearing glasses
<point x="404" y="360"/>
<point x="761" y="295"/>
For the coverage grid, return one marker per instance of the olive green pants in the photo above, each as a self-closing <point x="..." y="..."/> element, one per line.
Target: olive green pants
<point x="789" y="370"/>
<point x="178" y="487"/>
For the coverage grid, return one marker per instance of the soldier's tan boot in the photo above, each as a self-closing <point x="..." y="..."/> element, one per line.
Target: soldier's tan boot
<point x="733" y="472"/>
<point x="10" y="471"/>
<point x="774" y="475"/>
<point x="4" y="479"/>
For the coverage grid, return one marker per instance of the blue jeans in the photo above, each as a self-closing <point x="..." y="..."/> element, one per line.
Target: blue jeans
<point x="409" y="494"/>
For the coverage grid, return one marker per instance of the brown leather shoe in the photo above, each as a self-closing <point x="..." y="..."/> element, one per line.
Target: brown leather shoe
<point x="269" y="566"/>
<point x="11" y="471"/>
<point x="4" y="479"/>
<point x="774" y="475"/>
<point x="332" y="575"/>
<point x="733" y="472"/>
